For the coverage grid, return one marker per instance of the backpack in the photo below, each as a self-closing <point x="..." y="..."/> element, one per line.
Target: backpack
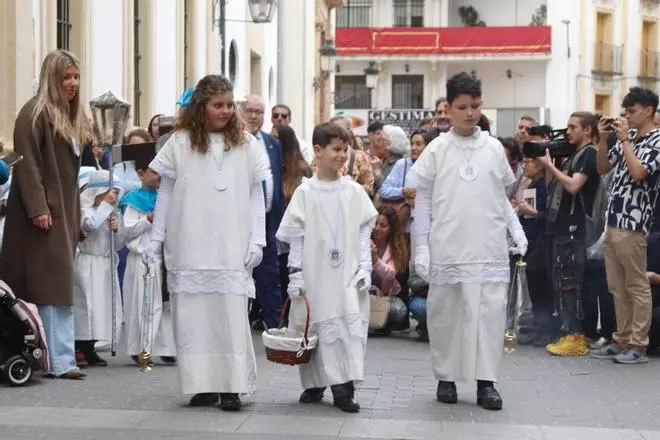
<point x="596" y="219"/>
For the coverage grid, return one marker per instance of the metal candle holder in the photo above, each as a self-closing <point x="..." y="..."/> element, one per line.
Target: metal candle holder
<point x="110" y="116"/>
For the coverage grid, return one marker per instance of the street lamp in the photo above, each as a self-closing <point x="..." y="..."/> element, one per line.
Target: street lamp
<point x="371" y="75"/>
<point x="328" y="55"/>
<point x="262" y="11"/>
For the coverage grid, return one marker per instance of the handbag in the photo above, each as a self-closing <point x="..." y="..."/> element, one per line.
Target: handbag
<point x="380" y="309"/>
<point x="401" y="207"/>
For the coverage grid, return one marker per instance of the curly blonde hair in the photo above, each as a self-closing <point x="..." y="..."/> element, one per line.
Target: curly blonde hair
<point x="193" y="116"/>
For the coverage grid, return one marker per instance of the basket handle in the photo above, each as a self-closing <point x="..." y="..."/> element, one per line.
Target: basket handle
<point x="287" y="306"/>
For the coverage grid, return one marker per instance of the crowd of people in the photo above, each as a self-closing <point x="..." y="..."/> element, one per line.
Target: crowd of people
<point x="232" y="222"/>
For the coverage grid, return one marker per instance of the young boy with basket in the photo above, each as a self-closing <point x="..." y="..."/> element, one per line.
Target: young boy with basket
<point x="328" y="226"/>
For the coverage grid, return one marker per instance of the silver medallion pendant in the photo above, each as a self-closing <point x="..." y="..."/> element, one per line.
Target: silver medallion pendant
<point x="468" y="172"/>
<point x="335" y="257"/>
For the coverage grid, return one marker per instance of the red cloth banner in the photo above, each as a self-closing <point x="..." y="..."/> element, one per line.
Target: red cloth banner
<point x="450" y="41"/>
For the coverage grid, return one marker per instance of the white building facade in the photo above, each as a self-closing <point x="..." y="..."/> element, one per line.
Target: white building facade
<point x="146" y="51"/>
<point x="542" y="58"/>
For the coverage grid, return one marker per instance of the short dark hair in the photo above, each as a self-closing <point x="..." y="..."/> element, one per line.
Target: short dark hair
<point x="440" y="101"/>
<point x="325" y="133"/>
<point x="284" y="106"/>
<point x="484" y="123"/>
<point x="528" y="118"/>
<point x="512" y="146"/>
<point x="587" y="119"/>
<point x="463" y="84"/>
<point x="427" y="133"/>
<point x="375" y="126"/>
<point x="643" y="97"/>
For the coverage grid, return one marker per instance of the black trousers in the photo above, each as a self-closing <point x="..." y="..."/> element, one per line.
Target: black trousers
<point x="566" y="264"/>
<point x="597" y="299"/>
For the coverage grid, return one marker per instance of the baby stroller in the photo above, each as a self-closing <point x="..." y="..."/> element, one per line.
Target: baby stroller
<point x="23" y="348"/>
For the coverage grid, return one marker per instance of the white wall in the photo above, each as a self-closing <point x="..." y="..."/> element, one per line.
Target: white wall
<point x="562" y="72"/>
<point x="166" y="90"/>
<point x="499" y="12"/>
<point x="106" y="48"/>
<point x="526" y="88"/>
<point x="298" y="64"/>
<point x="236" y="10"/>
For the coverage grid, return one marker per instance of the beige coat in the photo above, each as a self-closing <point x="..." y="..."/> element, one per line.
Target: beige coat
<point x="38" y="265"/>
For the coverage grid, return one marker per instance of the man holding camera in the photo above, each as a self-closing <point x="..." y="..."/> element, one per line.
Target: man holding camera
<point x="571" y="190"/>
<point x="635" y="159"/>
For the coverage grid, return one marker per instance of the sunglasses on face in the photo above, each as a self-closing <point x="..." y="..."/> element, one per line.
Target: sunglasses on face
<point x="280" y="115"/>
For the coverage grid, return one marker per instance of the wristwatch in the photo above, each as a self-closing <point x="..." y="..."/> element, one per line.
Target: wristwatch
<point x="293" y="270"/>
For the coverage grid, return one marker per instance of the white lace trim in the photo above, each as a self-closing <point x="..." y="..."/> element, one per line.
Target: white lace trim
<point x="210" y="281"/>
<point x="470" y="273"/>
<point x="342" y="328"/>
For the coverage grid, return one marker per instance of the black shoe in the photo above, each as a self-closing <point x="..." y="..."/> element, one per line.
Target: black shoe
<point x="168" y="360"/>
<point x="204" y="399"/>
<point x="543" y="339"/>
<point x="344" y="397"/>
<point x="489" y="398"/>
<point x="312" y="395"/>
<point x="230" y="402"/>
<point x="446" y="392"/>
<point x="347" y="404"/>
<point x="527" y="338"/>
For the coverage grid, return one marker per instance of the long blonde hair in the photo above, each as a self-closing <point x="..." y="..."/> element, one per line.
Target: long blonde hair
<point x="67" y="117"/>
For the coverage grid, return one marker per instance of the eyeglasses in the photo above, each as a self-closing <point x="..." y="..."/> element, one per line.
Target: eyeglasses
<point x="280" y="115"/>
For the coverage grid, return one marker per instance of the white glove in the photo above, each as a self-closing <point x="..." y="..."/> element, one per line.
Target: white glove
<point x="422" y="263"/>
<point x="296" y="285"/>
<point x="253" y="258"/>
<point x="521" y="243"/>
<point x="153" y="252"/>
<point x="362" y="280"/>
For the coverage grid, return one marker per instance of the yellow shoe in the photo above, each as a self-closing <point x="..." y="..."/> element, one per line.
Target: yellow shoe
<point x="570" y="345"/>
<point x="557" y="344"/>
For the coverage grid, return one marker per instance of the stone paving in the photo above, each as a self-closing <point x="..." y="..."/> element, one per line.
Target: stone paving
<point x="545" y="398"/>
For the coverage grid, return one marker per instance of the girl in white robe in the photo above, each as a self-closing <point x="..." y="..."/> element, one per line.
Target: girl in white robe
<point x="462" y="215"/>
<point x="328" y="225"/>
<point x="155" y="332"/>
<point x="209" y="224"/>
<point x="93" y="290"/>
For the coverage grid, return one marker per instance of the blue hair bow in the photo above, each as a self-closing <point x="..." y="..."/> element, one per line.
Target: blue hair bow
<point x="184" y="99"/>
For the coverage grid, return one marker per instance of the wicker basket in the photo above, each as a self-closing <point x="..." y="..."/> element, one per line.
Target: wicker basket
<point x="289" y="346"/>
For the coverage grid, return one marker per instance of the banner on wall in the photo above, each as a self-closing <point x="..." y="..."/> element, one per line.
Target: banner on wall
<point x="408" y="119"/>
<point x="359" y="120"/>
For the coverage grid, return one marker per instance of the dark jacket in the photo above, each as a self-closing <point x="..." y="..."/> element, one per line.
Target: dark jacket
<point x="274" y="217"/>
<point x="39" y="265"/>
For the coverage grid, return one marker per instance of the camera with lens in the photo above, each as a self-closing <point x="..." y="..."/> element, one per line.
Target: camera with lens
<point x="557" y="143"/>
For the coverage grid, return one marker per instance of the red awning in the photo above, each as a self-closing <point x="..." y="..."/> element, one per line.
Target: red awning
<point x="476" y="40"/>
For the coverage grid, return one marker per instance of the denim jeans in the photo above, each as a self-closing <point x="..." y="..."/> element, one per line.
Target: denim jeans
<point x="417" y="306"/>
<point x="58" y="324"/>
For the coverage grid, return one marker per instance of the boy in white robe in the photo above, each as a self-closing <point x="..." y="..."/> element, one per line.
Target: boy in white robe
<point x="156" y="332"/>
<point x="93" y="290"/>
<point x="462" y="214"/>
<point x="328" y="226"/>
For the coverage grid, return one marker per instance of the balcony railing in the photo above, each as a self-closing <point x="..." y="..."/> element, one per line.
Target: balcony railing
<point x="648" y="64"/>
<point x="608" y="58"/>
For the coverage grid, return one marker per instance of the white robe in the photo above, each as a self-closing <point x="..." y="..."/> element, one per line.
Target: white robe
<point x="93" y="291"/>
<point x="339" y="312"/>
<point x="137" y="230"/>
<point x="469" y="270"/>
<point x="207" y="236"/>
<point x="4" y="194"/>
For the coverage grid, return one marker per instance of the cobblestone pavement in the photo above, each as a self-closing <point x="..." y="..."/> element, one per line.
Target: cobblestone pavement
<point x="545" y="398"/>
